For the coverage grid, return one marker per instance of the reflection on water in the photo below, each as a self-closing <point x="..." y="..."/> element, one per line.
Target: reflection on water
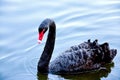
<point x="95" y="75"/>
<point x="42" y="76"/>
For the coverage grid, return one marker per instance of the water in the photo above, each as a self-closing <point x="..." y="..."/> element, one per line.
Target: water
<point x="76" y="21"/>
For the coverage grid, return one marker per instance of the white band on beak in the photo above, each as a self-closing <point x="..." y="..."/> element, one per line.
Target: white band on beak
<point x="39" y="41"/>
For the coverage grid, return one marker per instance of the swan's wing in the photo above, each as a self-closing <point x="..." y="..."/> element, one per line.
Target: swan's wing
<point x="77" y="58"/>
<point x="73" y="62"/>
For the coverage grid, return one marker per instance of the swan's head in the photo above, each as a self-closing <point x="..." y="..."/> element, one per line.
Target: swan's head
<point x="41" y="30"/>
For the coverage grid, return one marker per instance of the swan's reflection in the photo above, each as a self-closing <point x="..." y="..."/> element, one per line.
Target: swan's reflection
<point x="42" y="76"/>
<point x="95" y="75"/>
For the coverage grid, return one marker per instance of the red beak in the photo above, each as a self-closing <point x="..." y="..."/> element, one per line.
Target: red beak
<point x="40" y="36"/>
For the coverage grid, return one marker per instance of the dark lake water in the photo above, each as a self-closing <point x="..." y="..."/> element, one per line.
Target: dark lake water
<point x="76" y="21"/>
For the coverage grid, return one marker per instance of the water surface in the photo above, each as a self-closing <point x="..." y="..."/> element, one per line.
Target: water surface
<point x="76" y="21"/>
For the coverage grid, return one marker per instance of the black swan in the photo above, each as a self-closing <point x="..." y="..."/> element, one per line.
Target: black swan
<point x="86" y="56"/>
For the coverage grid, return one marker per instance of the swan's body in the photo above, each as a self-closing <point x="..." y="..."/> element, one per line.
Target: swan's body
<point x="79" y="58"/>
<point x="76" y="59"/>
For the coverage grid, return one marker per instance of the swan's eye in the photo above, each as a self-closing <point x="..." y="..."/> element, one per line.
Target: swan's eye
<point x="40" y="37"/>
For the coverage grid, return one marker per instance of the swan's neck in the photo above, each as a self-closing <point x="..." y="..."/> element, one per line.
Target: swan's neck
<point x="48" y="49"/>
